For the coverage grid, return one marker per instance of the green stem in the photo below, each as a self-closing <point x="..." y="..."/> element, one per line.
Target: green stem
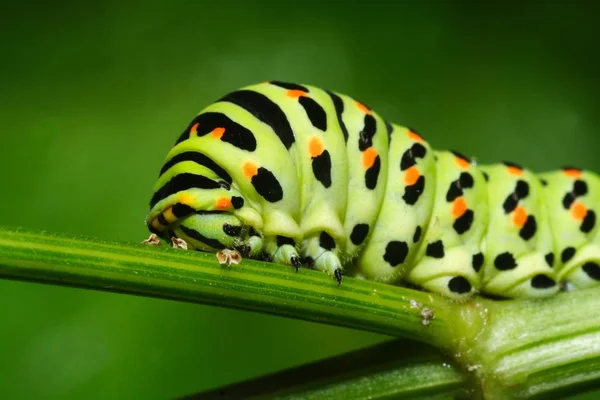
<point x="539" y="348"/>
<point x="517" y="348"/>
<point x="393" y="369"/>
<point x="197" y="277"/>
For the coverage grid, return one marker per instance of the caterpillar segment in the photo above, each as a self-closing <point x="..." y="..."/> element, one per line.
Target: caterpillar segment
<point x="308" y="177"/>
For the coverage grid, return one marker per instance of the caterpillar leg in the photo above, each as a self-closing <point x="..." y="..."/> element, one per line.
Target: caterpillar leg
<point x="321" y="248"/>
<point x="281" y="250"/>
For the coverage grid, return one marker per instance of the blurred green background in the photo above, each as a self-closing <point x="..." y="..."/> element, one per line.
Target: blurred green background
<point x="94" y="94"/>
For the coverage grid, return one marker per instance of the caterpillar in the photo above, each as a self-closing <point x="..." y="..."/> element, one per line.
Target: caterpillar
<point x="303" y="176"/>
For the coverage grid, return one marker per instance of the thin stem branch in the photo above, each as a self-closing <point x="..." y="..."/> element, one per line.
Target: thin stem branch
<point x="393" y="369"/>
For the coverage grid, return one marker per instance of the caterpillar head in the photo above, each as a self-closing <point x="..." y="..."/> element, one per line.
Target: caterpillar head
<point x="206" y="220"/>
<point x="210" y="231"/>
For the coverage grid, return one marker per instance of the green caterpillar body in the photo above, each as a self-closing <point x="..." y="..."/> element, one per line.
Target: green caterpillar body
<point x="303" y="176"/>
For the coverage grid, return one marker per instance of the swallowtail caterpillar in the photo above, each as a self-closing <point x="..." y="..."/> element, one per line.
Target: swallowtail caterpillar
<point x="307" y="177"/>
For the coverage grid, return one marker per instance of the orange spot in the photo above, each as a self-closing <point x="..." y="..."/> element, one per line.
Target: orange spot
<point x="459" y="207"/>
<point x="462" y="162"/>
<point x="223" y="203"/>
<point x="368" y="157"/>
<point x="194" y="129"/>
<point x="186" y="199"/>
<point x="315" y="146"/>
<point x="250" y="169"/>
<point x="520" y="216"/>
<point x="411" y="175"/>
<point x="572" y="173"/>
<point x="415" y="136"/>
<point x="217" y="133"/>
<point x="515" y="171"/>
<point x="363" y="108"/>
<point x="294" y="94"/>
<point x="579" y="211"/>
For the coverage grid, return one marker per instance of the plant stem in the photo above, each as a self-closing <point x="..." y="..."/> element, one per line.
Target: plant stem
<point x="517" y="348"/>
<point x="197" y="277"/>
<point x="393" y="369"/>
<point x="540" y="348"/>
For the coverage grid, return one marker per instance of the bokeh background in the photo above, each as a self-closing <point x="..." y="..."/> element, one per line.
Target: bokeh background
<point x="93" y="95"/>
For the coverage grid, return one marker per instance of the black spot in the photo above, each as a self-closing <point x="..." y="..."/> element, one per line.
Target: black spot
<point x="395" y="252"/>
<point x="580" y="188"/>
<point x="183" y="182"/>
<point x="365" y="137"/>
<point x="460" y="155"/>
<point x="512" y="164"/>
<point x="454" y="191"/>
<point x="435" y="249"/>
<point x="486" y="176"/>
<point x="510" y="203"/>
<point x="315" y="112"/>
<point x="464" y="222"/>
<point x="199" y="159"/>
<point x="412" y="193"/>
<point x="567" y="254"/>
<point x="326" y="241"/>
<point x="215" y="244"/>
<point x="289" y="86"/>
<point x="232" y="230"/>
<point x="407" y="160"/>
<point x="409" y="157"/>
<point x="529" y="228"/>
<point x="283" y="240"/>
<point x="477" y="261"/>
<point x="338" y="103"/>
<point x="459" y="284"/>
<point x="182" y="210"/>
<point x="237" y="201"/>
<point x="466" y="180"/>
<point x="592" y="269"/>
<point x="505" y="261"/>
<point x="264" y="109"/>
<point x="544" y="182"/>
<point x="418" y="150"/>
<point x="550" y="259"/>
<point x="522" y="189"/>
<point x="568" y="200"/>
<point x="372" y="174"/>
<point x="267" y="185"/>
<point x="359" y="233"/>
<point x="253" y="232"/>
<point x="542" y="281"/>
<point x="417" y="234"/>
<point x="589" y="221"/>
<point x="321" y="166"/>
